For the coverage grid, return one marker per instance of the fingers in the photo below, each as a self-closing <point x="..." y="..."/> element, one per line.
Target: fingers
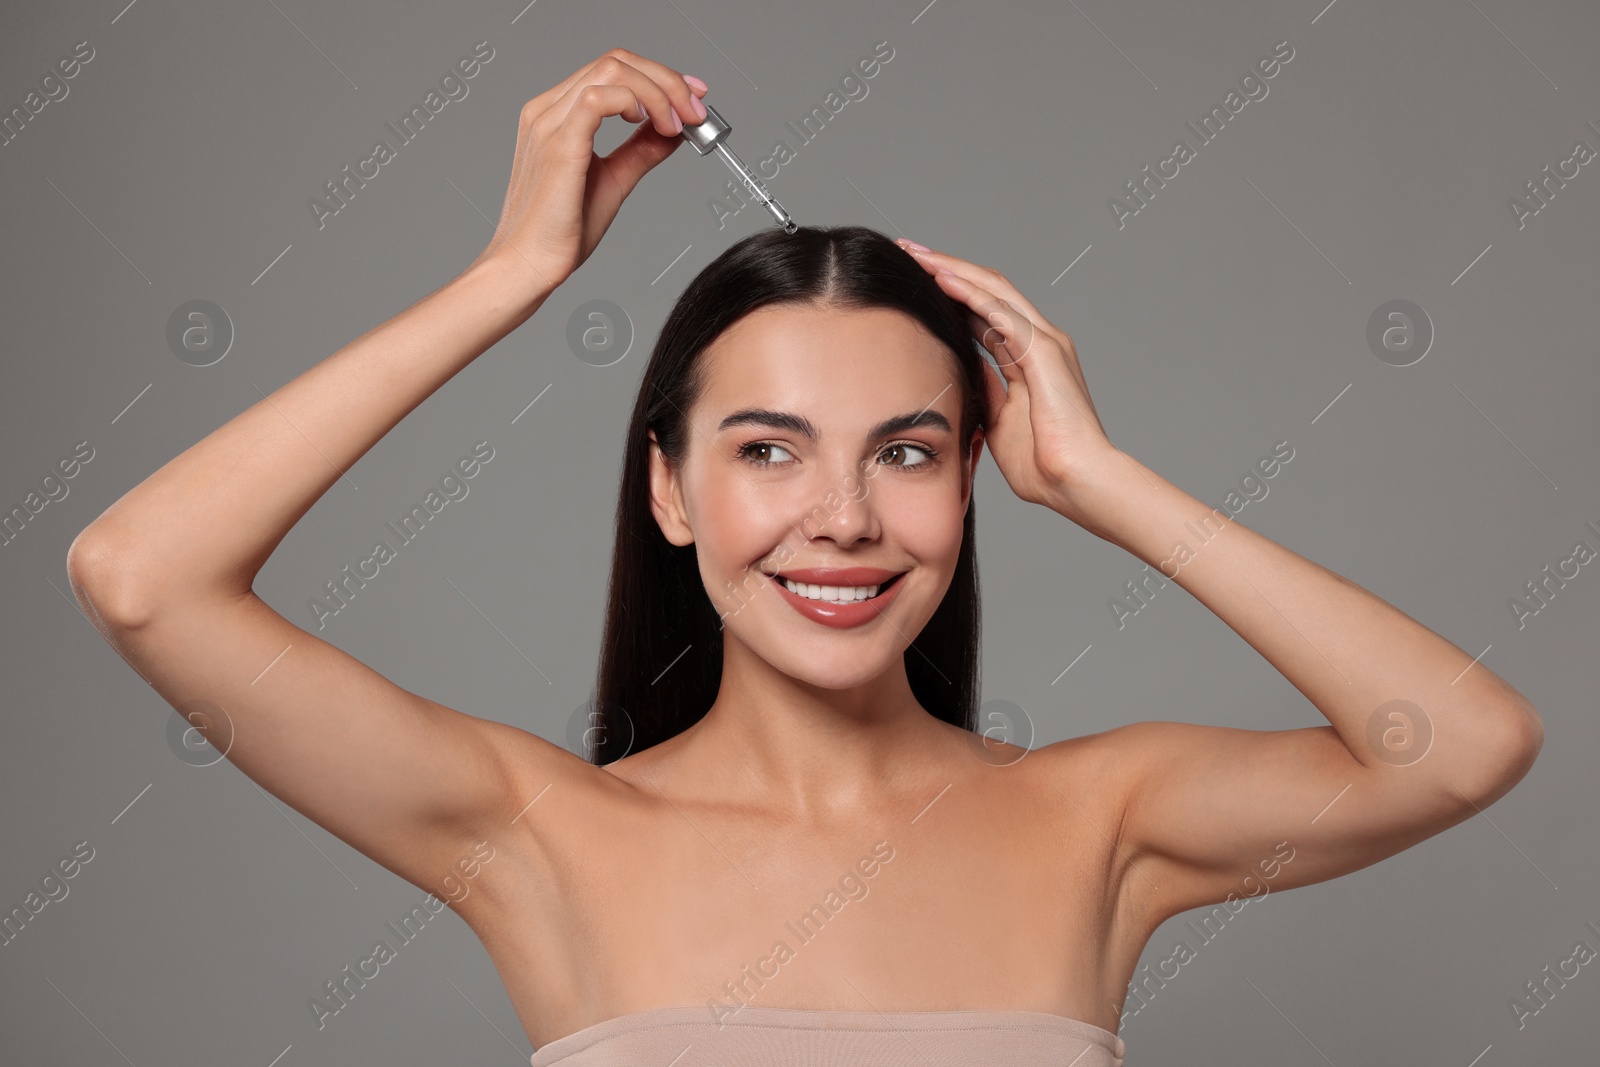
<point x="991" y="280"/>
<point x="1003" y="329"/>
<point x="661" y="95"/>
<point x="590" y="105"/>
<point x="1004" y="332"/>
<point x="1037" y="375"/>
<point x="614" y="88"/>
<point x="684" y="98"/>
<point x="633" y="158"/>
<point x="1009" y="335"/>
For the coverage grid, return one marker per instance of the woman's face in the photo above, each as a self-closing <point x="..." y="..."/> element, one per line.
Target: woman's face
<point x="822" y="439"/>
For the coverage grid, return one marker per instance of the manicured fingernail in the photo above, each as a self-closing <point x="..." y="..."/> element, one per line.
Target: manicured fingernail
<point x="696" y="82"/>
<point x="699" y="108"/>
<point x="677" y="123"/>
<point x="909" y="243"/>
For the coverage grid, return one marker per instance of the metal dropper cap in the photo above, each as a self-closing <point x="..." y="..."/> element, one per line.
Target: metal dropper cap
<point x="712" y="136"/>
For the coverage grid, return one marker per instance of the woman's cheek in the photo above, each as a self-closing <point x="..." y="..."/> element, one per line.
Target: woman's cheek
<point x="936" y="524"/>
<point x="736" y="523"/>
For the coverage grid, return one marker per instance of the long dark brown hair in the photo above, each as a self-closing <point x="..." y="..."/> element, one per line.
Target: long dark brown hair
<point x="658" y="614"/>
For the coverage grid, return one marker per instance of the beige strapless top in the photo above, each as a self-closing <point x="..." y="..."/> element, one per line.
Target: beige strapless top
<point x="794" y="1037"/>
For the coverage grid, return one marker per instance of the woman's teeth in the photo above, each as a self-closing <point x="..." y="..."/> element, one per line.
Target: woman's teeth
<point x="834" y="593"/>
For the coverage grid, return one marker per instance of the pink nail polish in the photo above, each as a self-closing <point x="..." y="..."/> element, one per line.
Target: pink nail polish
<point x="909" y="243"/>
<point x="696" y="82"/>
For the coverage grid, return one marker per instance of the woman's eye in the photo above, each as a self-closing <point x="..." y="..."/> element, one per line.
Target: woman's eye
<point x="760" y="453"/>
<point x="903" y="447"/>
<point x="770" y="454"/>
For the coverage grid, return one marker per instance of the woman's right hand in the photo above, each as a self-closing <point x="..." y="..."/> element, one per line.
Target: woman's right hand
<point x="562" y="195"/>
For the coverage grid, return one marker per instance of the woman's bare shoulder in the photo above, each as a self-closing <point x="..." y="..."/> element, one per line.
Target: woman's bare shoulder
<point x="544" y="773"/>
<point x="1090" y="775"/>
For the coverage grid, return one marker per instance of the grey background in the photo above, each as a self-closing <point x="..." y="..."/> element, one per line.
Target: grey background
<point x="1225" y="317"/>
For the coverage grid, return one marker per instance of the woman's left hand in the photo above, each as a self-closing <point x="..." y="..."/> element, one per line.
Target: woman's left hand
<point x="1043" y="430"/>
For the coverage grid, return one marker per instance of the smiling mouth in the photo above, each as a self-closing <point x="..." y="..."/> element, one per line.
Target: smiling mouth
<point x="847" y="594"/>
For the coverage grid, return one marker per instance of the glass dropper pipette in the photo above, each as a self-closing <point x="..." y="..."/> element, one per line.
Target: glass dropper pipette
<point x="712" y="136"/>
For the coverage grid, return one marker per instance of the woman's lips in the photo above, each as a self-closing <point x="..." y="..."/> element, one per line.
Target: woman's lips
<point x="839" y="615"/>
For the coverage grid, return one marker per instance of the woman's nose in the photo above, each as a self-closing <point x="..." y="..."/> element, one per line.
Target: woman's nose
<point x="846" y="511"/>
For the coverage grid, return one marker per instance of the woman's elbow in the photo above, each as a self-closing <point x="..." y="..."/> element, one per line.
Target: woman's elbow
<point x="98" y="573"/>
<point x="1512" y="756"/>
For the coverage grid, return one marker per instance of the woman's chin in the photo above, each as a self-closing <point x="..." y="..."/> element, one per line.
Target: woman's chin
<point x="832" y="669"/>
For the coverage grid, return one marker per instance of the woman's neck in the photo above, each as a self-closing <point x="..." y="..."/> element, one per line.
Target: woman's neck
<point x="810" y="753"/>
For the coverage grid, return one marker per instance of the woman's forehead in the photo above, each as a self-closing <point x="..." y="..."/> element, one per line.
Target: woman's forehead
<point x="791" y="355"/>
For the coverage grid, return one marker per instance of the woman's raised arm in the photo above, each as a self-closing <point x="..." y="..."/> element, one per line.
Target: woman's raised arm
<point x="1420" y="735"/>
<point x="202" y="526"/>
<point x="166" y="572"/>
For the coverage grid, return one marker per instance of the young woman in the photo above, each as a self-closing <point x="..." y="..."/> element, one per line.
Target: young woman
<point x="797" y="858"/>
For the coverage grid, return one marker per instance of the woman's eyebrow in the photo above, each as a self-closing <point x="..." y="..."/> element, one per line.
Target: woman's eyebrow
<point x="784" y="420"/>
